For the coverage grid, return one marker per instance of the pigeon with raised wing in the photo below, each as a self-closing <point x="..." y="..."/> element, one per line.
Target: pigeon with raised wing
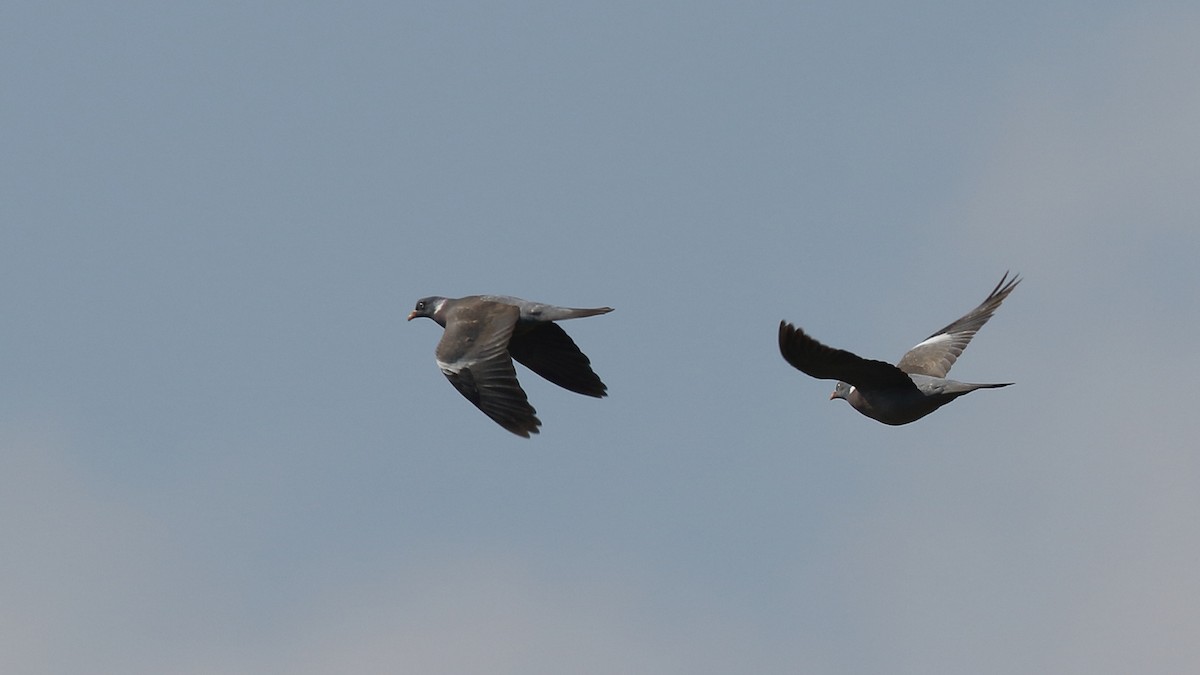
<point x="485" y="333"/>
<point x="909" y="390"/>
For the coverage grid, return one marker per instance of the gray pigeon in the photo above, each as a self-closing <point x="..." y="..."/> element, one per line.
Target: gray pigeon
<point x="909" y="390"/>
<point x="484" y="333"/>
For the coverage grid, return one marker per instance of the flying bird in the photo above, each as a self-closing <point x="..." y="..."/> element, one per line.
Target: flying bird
<point x="909" y="390"/>
<point x="485" y="333"/>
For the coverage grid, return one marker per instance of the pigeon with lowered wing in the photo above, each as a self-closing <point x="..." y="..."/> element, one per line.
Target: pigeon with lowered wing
<point x="485" y="333"/>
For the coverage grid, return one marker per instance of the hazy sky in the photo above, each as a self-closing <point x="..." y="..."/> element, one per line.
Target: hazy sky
<point x="223" y="450"/>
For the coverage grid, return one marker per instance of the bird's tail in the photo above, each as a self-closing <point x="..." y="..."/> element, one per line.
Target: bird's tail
<point x="973" y="387"/>
<point x="576" y="313"/>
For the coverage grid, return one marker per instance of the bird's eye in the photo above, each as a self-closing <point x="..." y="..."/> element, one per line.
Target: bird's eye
<point x="421" y="305"/>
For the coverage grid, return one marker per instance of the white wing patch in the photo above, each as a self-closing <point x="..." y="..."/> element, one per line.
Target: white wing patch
<point x="940" y="337"/>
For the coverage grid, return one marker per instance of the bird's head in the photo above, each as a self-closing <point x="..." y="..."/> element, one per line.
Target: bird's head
<point x="842" y="390"/>
<point x="430" y="307"/>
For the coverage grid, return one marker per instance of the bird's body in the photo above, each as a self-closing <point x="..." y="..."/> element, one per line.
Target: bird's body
<point x="485" y="333"/>
<point x="911" y="389"/>
<point x="901" y="405"/>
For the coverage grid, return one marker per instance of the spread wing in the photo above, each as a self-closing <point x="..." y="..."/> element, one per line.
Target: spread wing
<point x="826" y="363"/>
<point x="939" y="351"/>
<point x="473" y="355"/>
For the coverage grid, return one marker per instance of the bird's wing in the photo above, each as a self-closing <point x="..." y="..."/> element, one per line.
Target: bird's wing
<point x="473" y="355"/>
<point x="546" y="349"/>
<point x="815" y="359"/>
<point x="937" y="353"/>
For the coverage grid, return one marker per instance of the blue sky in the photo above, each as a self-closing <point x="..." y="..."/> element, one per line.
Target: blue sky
<point x="223" y="450"/>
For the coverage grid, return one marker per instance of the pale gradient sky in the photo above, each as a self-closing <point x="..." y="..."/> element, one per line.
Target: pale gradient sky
<point x="223" y="450"/>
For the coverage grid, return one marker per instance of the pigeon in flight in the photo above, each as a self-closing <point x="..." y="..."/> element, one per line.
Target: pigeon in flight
<point x="909" y="390"/>
<point x="484" y="333"/>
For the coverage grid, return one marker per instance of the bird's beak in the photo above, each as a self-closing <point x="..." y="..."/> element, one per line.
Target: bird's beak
<point x="833" y="396"/>
<point x="412" y="315"/>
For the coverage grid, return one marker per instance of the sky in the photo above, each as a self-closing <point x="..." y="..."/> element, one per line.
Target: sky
<point x="223" y="450"/>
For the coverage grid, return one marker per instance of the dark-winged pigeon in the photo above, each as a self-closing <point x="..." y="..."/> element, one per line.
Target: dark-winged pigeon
<point x="909" y="390"/>
<point x="484" y="333"/>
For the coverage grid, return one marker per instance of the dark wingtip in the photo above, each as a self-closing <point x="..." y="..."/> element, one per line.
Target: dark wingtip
<point x="525" y="428"/>
<point x="595" y="390"/>
<point x="787" y="333"/>
<point x="1006" y="285"/>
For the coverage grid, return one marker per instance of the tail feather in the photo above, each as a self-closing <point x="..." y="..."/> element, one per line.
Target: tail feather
<point x="576" y="313"/>
<point x="971" y="386"/>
